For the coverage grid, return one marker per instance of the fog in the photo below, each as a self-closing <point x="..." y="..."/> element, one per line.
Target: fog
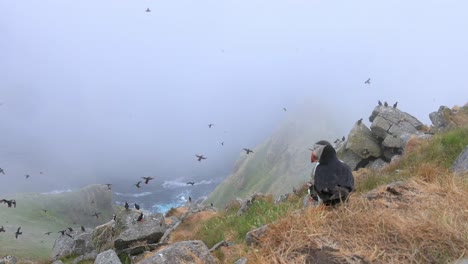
<point x="102" y="91"/>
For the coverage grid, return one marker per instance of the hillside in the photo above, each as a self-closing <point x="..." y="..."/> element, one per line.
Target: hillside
<point x="279" y="163"/>
<point x="70" y="209"/>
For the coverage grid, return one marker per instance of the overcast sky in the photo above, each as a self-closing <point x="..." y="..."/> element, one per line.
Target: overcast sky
<point x="98" y="90"/>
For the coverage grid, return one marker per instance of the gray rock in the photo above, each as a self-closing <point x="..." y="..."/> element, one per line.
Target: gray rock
<point x="393" y="141"/>
<point x="88" y="256"/>
<point x="103" y="236"/>
<point x="461" y="261"/>
<point x="137" y="250"/>
<point x="182" y="252"/>
<point x="247" y="202"/>
<point x="107" y="257"/>
<point x="150" y="230"/>
<point x="57" y="262"/>
<point x="82" y="244"/>
<point x="242" y="260"/>
<point x="391" y="121"/>
<point x="460" y="165"/>
<point x="222" y="243"/>
<point x="349" y="157"/>
<point x="63" y="246"/>
<point x="441" y="119"/>
<point x="252" y="237"/>
<point x="377" y="164"/>
<point x="362" y="142"/>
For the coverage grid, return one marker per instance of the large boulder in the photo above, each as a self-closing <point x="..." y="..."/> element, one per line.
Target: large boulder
<point x="441" y="120"/>
<point x="182" y="252"/>
<point x="107" y="257"/>
<point x="349" y="157"/>
<point x="149" y="231"/>
<point x="460" y="165"/>
<point x="362" y="142"/>
<point x="103" y="236"/>
<point x="82" y="244"/>
<point x="389" y="121"/>
<point x="63" y="246"/>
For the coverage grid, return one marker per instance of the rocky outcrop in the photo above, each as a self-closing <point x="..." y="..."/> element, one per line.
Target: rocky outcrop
<point x="63" y="246"/>
<point x="247" y="202"/>
<point x="75" y="243"/>
<point x="362" y="142"/>
<point x="460" y="165"/>
<point x="107" y="257"/>
<point x="441" y="120"/>
<point x="103" y="236"/>
<point x="182" y="252"/>
<point x="253" y="237"/>
<point x="149" y="231"/>
<point x="82" y="244"/>
<point x="8" y="260"/>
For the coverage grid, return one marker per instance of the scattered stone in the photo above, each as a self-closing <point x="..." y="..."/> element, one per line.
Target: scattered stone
<point x="63" y="246"/>
<point x="441" y="119"/>
<point x="252" y="237"/>
<point x="362" y="142"/>
<point x="107" y="257"/>
<point x="349" y="157"/>
<point x="377" y="164"/>
<point x="83" y="244"/>
<point x="57" y="262"/>
<point x="460" y="165"/>
<point x="242" y="260"/>
<point x="219" y="244"/>
<point x="88" y="256"/>
<point x="103" y="236"/>
<point x="194" y="251"/>
<point x="8" y="260"/>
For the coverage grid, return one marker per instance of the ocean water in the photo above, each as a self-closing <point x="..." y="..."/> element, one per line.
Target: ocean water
<point x="161" y="196"/>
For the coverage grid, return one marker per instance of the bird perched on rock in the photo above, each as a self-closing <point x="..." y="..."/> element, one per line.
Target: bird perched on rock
<point x="96" y="214"/>
<point x="2" y="229"/>
<point x="380" y="103"/>
<point x="18" y="232"/>
<point x="332" y="179"/>
<point x="70" y="229"/>
<point x="200" y="157"/>
<point x="190" y="199"/>
<point x="147" y="179"/>
<point x="83" y="229"/>
<point x="138" y="184"/>
<point x="385" y="104"/>
<point x="140" y="218"/>
<point x="126" y="206"/>
<point x="190" y="183"/>
<point x="367" y="81"/>
<point x="137" y="206"/>
<point x="343" y="138"/>
<point x="336" y="141"/>
<point x="62" y="232"/>
<point x="248" y="151"/>
<point x="109" y="186"/>
<point x="395" y="105"/>
<point x="359" y="121"/>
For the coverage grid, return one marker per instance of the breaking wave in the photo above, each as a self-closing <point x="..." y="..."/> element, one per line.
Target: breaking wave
<point x="58" y="191"/>
<point x="133" y="194"/>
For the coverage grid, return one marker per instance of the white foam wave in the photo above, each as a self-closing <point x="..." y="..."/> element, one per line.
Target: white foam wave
<point x="57" y="191"/>
<point x="133" y="194"/>
<point x="178" y="184"/>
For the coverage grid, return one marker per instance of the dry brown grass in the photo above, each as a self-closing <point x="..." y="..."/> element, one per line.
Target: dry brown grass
<point x="428" y="223"/>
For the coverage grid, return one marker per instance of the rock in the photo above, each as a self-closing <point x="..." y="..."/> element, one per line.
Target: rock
<point x="460" y="165"/>
<point x="88" y="256"/>
<point x="247" y="202"/>
<point x="222" y="243"/>
<point x="391" y="121"/>
<point x="103" y="236"/>
<point x="362" y="142"/>
<point x="461" y="261"/>
<point x="252" y="237"/>
<point x="137" y="250"/>
<point x="63" y="246"/>
<point x="282" y="198"/>
<point x="8" y="260"/>
<point x="149" y="231"/>
<point x="441" y="119"/>
<point x="242" y="260"/>
<point x="83" y="244"/>
<point x="194" y="251"/>
<point x="57" y="262"/>
<point x="107" y="257"/>
<point x="377" y="164"/>
<point x="349" y="157"/>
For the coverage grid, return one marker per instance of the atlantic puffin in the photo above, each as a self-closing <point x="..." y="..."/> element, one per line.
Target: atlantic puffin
<point x="332" y="178"/>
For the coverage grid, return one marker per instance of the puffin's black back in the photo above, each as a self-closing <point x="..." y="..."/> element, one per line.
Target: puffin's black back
<point x="331" y="172"/>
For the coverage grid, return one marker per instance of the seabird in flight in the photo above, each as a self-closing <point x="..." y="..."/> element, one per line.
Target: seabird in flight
<point x="47" y="233"/>
<point x="9" y="202"/>
<point x="200" y="157"/>
<point x="367" y="81"/>
<point x="248" y="151"/>
<point x="18" y="232"/>
<point x="2" y="229"/>
<point x="96" y="214"/>
<point x="138" y="184"/>
<point x="2" y="171"/>
<point x="147" y="179"/>
<point x="191" y="183"/>
<point x="210" y="125"/>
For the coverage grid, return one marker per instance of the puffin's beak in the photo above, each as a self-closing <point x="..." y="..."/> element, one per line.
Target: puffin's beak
<point x="313" y="158"/>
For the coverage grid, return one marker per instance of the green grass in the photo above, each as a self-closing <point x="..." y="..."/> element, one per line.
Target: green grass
<point x="260" y="213"/>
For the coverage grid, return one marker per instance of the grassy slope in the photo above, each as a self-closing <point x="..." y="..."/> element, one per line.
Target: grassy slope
<point x="63" y="210"/>
<point x="278" y="164"/>
<point x="430" y="227"/>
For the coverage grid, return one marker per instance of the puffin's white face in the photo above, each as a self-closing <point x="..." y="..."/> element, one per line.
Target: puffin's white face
<point x="317" y="152"/>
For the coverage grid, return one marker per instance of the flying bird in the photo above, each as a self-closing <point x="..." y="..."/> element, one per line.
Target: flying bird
<point x="191" y="183"/>
<point x="380" y="103"/>
<point x="147" y="179"/>
<point x="148" y="10"/>
<point x="359" y="121"/>
<point x="2" y="229"/>
<point x="140" y="218"/>
<point x="96" y="214"/>
<point x="284" y="108"/>
<point x="47" y="233"/>
<point x="138" y="184"/>
<point x="222" y="143"/>
<point x="126" y="206"/>
<point x="210" y="125"/>
<point x="367" y="81"/>
<point x="137" y="206"/>
<point x="45" y="211"/>
<point x="2" y="171"/>
<point x="18" y="232"/>
<point x="27" y="176"/>
<point x="200" y="157"/>
<point x="9" y="202"/>
<point x="248" y="151"/>
<point x="395" y="105"/>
